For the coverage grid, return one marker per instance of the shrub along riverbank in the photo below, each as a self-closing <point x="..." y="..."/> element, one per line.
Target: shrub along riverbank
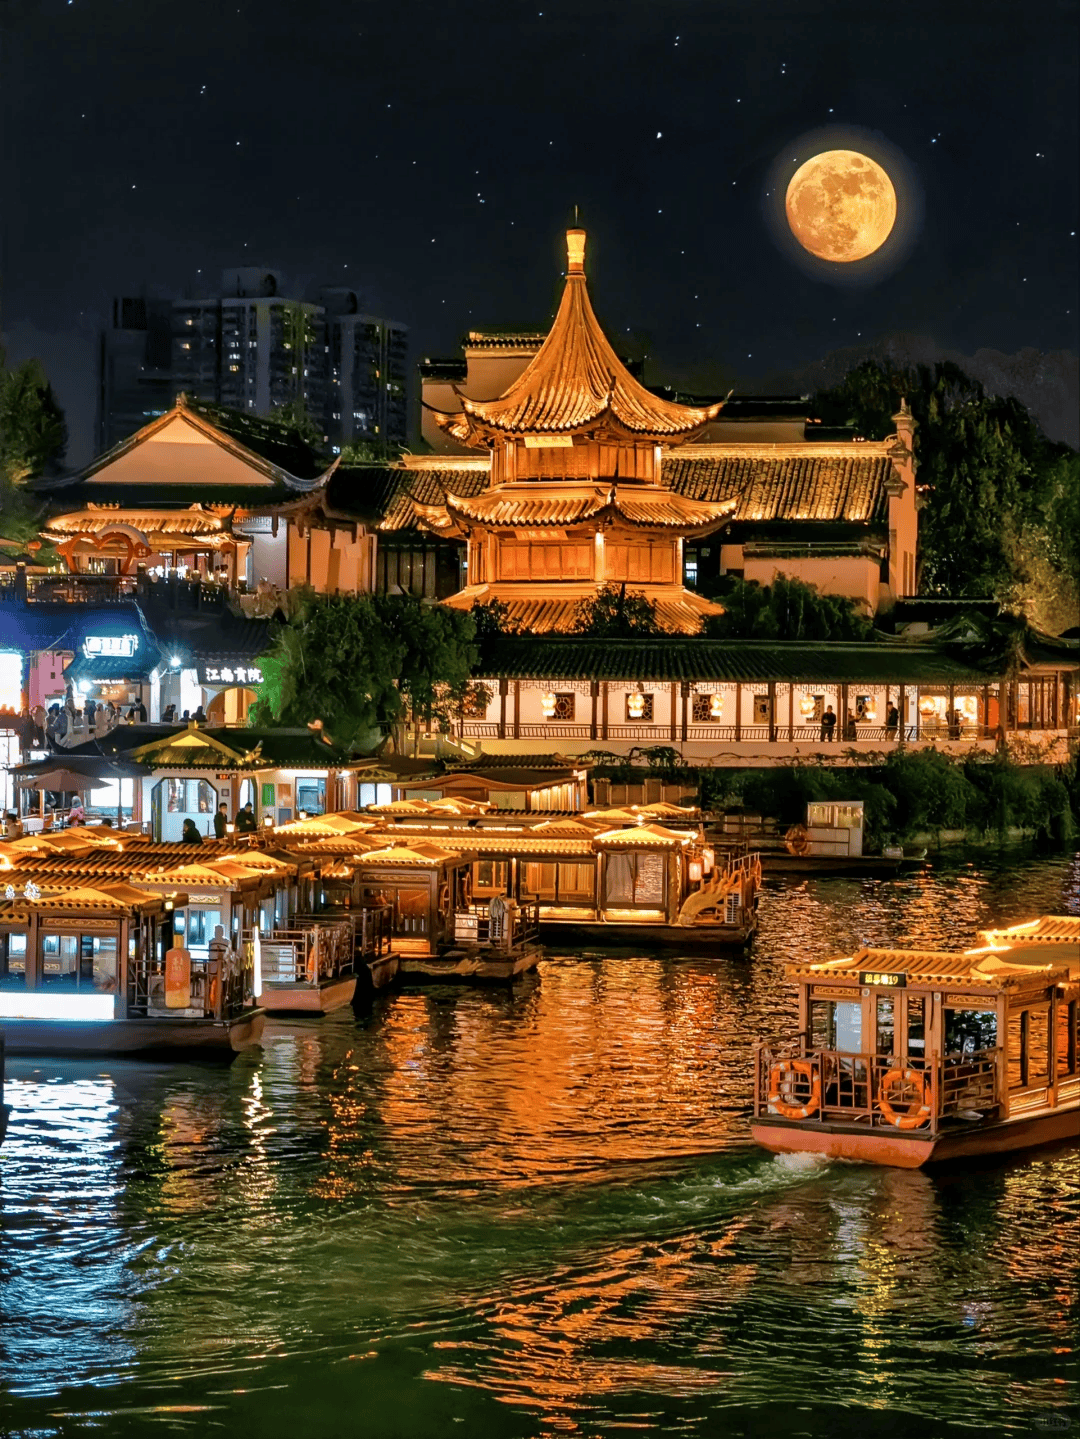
<point x="985" y="796"/>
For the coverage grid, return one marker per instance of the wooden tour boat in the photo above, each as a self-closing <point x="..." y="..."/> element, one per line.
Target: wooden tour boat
<point x="831" y="842"/>
<point x="911" y="1057"/>
<point x="96" y="970"/>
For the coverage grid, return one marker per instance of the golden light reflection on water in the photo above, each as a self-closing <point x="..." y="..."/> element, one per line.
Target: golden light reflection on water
<point x="534" y="1211"/>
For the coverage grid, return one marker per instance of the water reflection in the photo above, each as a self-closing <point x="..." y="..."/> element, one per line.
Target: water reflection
<point x="535" y="1212"/>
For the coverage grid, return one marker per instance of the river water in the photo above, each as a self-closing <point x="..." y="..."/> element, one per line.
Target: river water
<point x="531" y="1213"/>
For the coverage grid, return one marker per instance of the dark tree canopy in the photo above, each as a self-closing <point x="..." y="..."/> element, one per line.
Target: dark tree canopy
<point x="788" y="609"/>
<point x="614" y="613"/>
<point x="33" y="433"/>
<point x="997" y="500"/>
<point x="362" y="664"/>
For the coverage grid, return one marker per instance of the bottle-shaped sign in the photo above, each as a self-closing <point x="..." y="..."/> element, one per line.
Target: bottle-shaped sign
<point x="177" y="979"/>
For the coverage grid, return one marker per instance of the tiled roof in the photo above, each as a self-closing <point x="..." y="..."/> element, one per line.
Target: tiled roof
<point x="847" y="484"/>
<point x="667" y="658"/>
<point x="575" y="380"/>
<point x="527" y="505"/>
<point x="937" y="967"/>
<point x="678" y="611"/>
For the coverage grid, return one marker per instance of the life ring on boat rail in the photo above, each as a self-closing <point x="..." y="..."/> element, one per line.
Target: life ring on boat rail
<point x="797" y="840"/>
<point x="466" y="888"/>
<point x="789" y="1081"/>
<point x="918" y="1109"/>
<point x="444" y="900"/>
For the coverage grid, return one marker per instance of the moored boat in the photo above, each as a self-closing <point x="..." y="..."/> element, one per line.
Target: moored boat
<point x="95" y="970"/>
<point x="907" y="1058"/>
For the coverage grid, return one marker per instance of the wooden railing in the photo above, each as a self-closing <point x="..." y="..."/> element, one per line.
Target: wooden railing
<point x="660" y="732"/>
<point x="835" y="1085"/>
<point x="318" y="947"/>
<point x="224" y="999"/>
<point x="513" y="929"/>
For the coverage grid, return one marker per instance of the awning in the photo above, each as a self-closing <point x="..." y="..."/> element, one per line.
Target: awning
<point x="72" y="774"/>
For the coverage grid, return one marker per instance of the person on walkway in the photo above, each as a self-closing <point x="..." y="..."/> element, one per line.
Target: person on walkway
<point x="190" y="833"/>
<point x="850" y="732"/>
<point x="90" y="711"/>
<point x="76" y="814"/>
<point x="245" y="819"/>
<point x="828" y="724"/>
<point x="221" y="822"/>
<point x="199" y="716"/>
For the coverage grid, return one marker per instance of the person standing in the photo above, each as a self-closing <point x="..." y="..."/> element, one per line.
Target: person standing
<point x="892" y="722"/>
<point x="245" y="819"/>
<point x="828" y="724"/>
<point x="221" y="822"/>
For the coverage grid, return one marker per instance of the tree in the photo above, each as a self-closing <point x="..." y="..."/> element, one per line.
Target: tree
<point x="33" y="433"/>
<point x="788" y="609"/>
<point x="997" y="499"/>
<point x="331" y="661"/>
<point x="493" y="618"/>
<point x="364" y="664"/>
<point x="614" y="614"/>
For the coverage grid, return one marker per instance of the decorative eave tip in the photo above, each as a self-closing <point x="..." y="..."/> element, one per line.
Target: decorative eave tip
<point x="575" y="252"/>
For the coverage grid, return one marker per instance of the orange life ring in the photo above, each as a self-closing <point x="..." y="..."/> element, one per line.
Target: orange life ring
<point x="784" y="1087"/>
<point x="444" y="900"/>
<point x="914" y="1118"/>
<point x="466" y="888"/>
<point x="797" y="841"/>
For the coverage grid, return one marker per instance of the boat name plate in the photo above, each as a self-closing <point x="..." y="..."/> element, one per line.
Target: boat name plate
<point x="830" y="991"/>
<point x="881" y="980"/>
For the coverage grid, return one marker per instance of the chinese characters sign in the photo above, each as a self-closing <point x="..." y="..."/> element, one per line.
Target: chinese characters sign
<point x="232" y="675"/>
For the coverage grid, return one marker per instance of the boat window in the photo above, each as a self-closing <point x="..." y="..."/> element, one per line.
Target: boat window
<point x="78" y="961"/>
<point x="886" y="1023"/>
<point x="540" y="880"/>
<point x="635" y="879"/>
<point x="916" y="1024"/>
<point x="576" y="881"/>
<point x="969" y="1030"/>
<point x="13" y="961"/>
<point x="490" y="874"/>
<point x="836" y="1024"/>
<point x="194" y="928"/>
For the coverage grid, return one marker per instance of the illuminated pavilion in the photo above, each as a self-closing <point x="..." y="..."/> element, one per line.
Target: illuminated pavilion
<point x="575" y="496"/>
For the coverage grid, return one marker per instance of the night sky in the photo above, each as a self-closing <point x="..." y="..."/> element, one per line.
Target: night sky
<point x="431" y="155"/>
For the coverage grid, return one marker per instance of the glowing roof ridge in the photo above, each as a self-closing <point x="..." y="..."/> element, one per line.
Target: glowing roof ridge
<point x="575" y="380"/>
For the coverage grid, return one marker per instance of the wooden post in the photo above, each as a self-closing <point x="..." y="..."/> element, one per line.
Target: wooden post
<point x="918" y="711"/>
<point x="841" y="718"/>
<point x="603" y="709"/>
<point x="517" y="709"/>
<point x="772" y="711"/>
<point x="503" y="687"/>
<point x="985" y="708"/>
<point x="901" y="705"/>
<point x="951" y="702"/>
<point x="594" y="695"/>
<point x="674" y="688"/>
<point x="791" y="711"/>
<point x="687" y="691"/>
<point x="738" y="711"/>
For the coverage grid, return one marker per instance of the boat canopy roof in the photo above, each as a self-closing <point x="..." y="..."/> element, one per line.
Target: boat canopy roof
<point x="993" y="969"/>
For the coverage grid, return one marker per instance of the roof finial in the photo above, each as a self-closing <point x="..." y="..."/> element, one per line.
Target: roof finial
<point x="575" y="250"/>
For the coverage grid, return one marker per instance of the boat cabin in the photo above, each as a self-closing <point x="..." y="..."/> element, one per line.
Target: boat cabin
<point x="906" y="1055"/>
<point x="97" y="968"/>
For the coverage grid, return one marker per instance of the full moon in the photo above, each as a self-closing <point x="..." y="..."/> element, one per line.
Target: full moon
<point x="841" y="206"/>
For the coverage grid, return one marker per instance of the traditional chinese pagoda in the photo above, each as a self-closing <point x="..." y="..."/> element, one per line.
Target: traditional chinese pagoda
<point x="575" y="497"/>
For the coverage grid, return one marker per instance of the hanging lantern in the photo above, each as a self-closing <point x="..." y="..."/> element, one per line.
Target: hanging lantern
<point x="926" y="705"/>
<point x="547" y="705"/>
<point x="708" y="860"/>
<point x="716" y="706"/>
<point x="806" y="705"/>
<point x="695" y="870"/>
<point x="635" y="706"/>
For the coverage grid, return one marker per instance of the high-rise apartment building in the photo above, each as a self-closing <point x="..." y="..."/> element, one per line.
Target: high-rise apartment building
<point x="254" y="349"/>
<point x="367" y="375"/>
<point x="134" y="368"/>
